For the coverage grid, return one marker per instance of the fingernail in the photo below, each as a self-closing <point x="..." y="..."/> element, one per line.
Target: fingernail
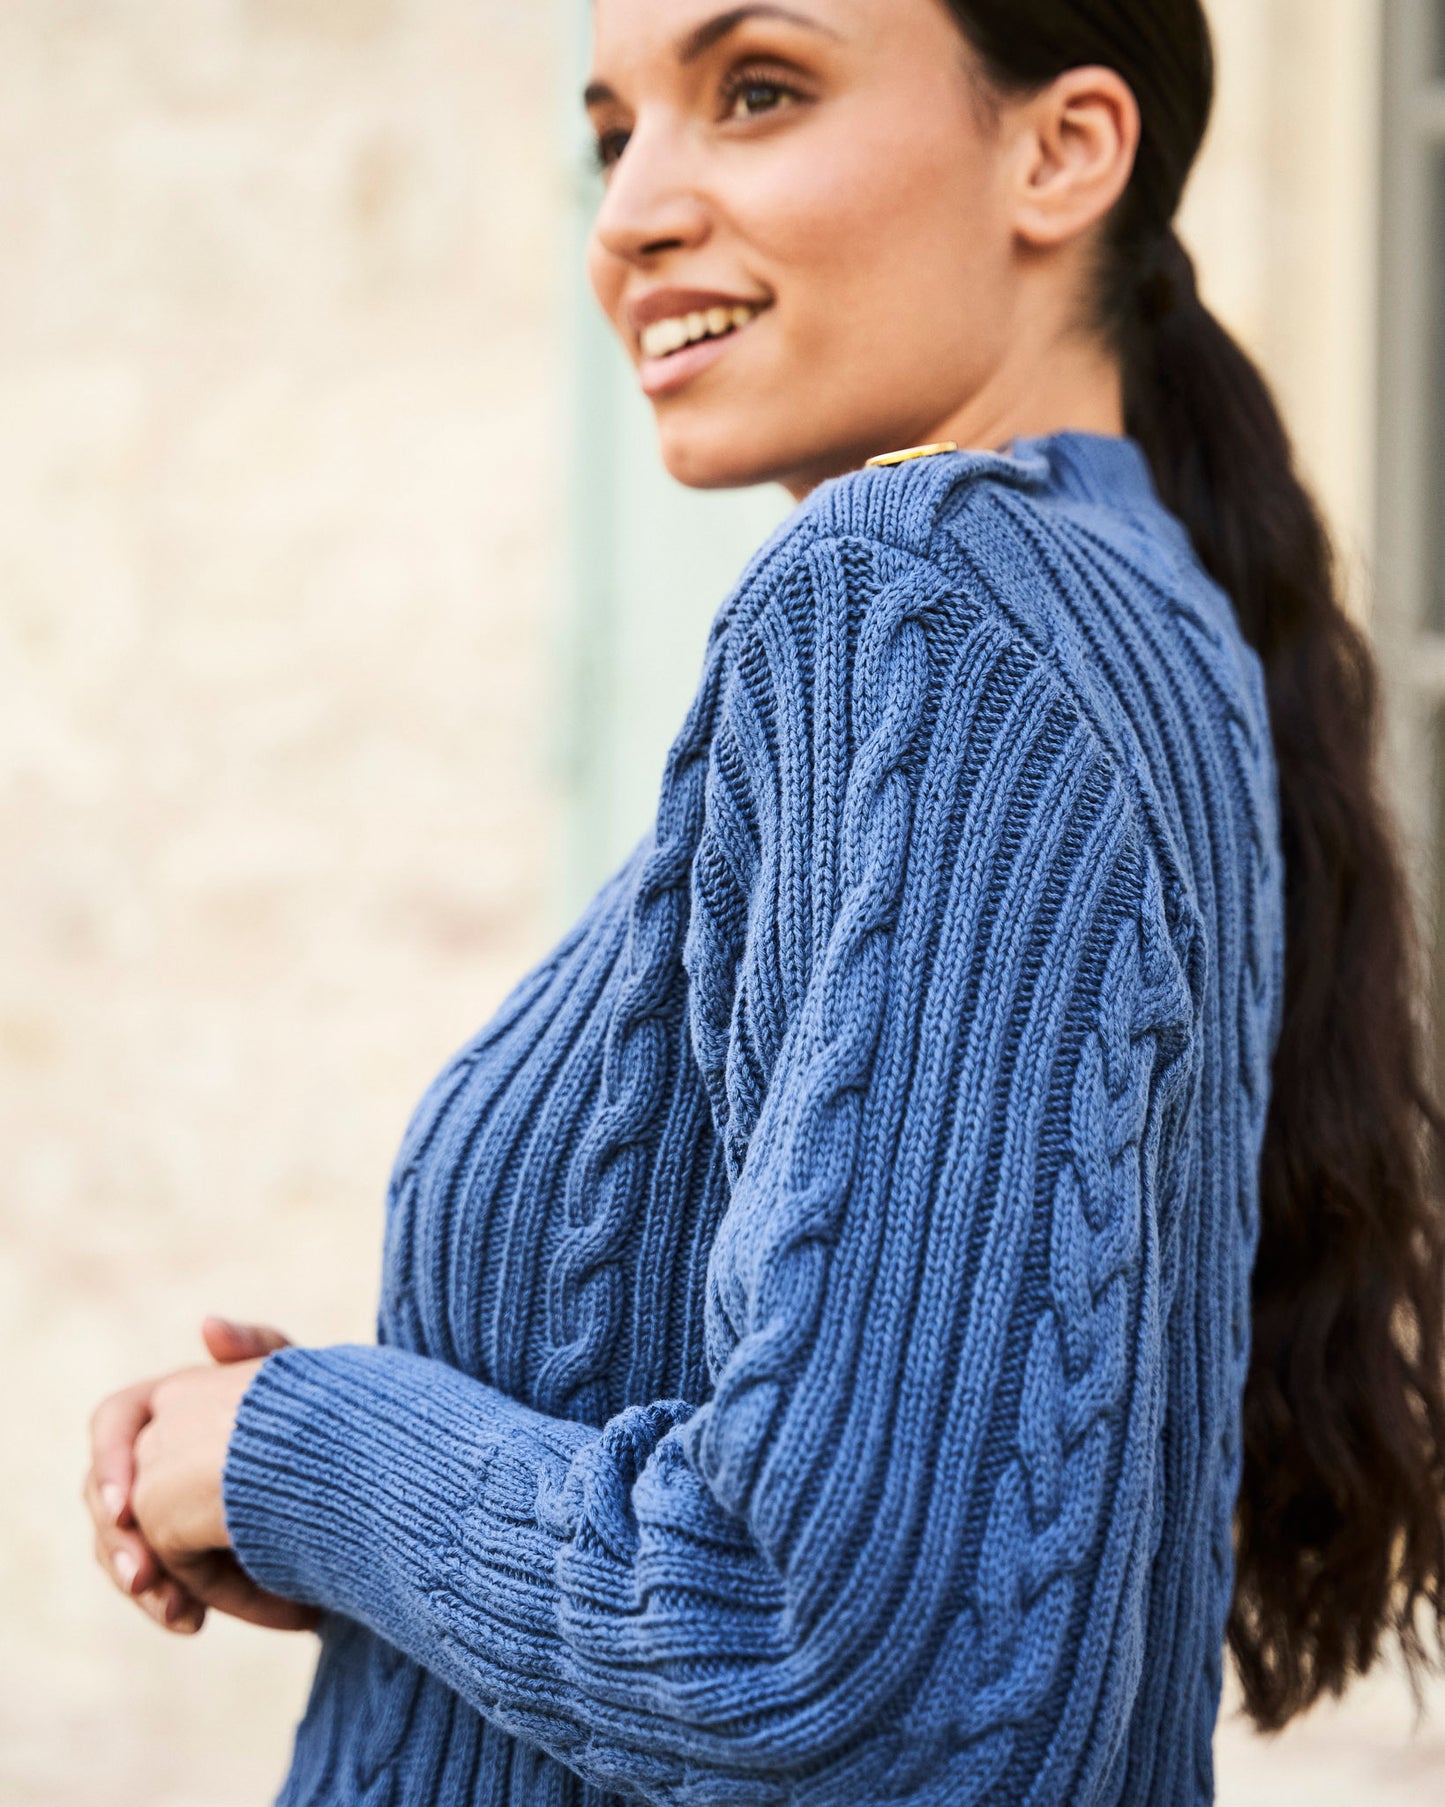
<point x="126" y="1568"/>
<point x="114" y="1497"/>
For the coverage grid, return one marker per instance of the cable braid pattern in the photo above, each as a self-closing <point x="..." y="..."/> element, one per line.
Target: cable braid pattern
<point x="1239" y="729"/>
<point x="584" y="1284"/>
<point x="1243" y="736"/>
<point x="763" y="878"/>
<point x="1002" y="1656"/>
<point x="889" y="698"/>
<point x="728" y="873"/>
<point x="840" y="1031"/>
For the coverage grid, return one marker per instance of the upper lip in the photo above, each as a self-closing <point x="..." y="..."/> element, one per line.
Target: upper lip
<point x="666" y="304"/>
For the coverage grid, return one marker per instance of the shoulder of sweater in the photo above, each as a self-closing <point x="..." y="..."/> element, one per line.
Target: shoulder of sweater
<point x="969" y="532"/>
<point x="896" y="506"/>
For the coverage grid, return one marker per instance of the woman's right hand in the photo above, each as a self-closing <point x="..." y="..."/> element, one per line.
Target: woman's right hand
<point x="119" y="1546"/>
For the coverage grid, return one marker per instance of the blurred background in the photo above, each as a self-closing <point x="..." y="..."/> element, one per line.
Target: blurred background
<point x="345" y="617"/>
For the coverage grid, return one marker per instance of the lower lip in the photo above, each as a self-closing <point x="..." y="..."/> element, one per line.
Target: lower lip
<point x="660" y="376"/>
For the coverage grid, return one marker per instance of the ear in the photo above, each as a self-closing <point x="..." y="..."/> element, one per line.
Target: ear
<point x="1079" y="140"/>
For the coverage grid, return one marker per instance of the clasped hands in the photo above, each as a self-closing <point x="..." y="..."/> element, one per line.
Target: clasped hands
<point x="154" y="1489"/>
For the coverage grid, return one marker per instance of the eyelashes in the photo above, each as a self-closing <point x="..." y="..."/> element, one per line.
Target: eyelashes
<point x="750" y="79"/>
<point x="755" y="79"/>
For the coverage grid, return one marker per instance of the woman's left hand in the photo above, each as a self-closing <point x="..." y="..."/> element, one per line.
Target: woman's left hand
<point x="175" y="1496"/>
<point x="179" y="1455"/>
<point x="153" y="1489"/>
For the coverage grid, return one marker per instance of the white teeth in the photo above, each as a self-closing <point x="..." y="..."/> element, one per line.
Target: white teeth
<point x="668" y="335"/>
<point x="664" y="337"/>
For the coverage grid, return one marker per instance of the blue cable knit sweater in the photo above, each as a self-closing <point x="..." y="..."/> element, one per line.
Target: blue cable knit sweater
<point x="815" y="1308"/>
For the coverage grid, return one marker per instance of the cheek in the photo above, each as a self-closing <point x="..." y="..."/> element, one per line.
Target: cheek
<point x="866" y="229"/>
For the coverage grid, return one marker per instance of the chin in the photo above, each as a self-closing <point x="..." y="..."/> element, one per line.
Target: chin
<point x="703" y="454"/>
<point x="712" y="460"/>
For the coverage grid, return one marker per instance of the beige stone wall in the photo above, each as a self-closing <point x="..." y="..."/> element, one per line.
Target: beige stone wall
<point x="280" y="408"/>
<point x="279" y="399"/>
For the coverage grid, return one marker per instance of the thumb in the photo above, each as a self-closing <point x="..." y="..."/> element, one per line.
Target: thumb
<point x="228" y="1342"/>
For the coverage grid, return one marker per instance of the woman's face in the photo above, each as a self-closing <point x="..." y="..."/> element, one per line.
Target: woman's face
<point x="819" y="183"/>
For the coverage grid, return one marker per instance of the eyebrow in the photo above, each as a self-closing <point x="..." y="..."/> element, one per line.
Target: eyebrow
<point x="697" y="42"/>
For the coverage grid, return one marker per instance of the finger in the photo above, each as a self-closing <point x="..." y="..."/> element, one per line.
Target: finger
<point x="163" y="1598"/>
<point x="219" y="1580"/>
<point x="128" y="1560"/>
<point x="124" y="1554"/>
<point x="144" y="1582"/>
<point x="228" y="1342"/>
<point x="184" y="1614"/>
<point x="172" y="1608"/>
<point x="114" y="1426"/>
<point x="137" y="1572"/>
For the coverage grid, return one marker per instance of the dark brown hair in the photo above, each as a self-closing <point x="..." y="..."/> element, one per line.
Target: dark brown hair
<point x="1340" y="1517"/>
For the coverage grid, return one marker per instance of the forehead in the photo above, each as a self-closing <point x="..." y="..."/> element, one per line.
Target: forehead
<point x="684" y="29"/>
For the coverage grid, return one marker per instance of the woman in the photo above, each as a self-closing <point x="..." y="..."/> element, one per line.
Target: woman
<point x="815" y="1356"/>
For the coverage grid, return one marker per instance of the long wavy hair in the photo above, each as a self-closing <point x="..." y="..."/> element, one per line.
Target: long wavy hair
<point x="1340" y="1516"/>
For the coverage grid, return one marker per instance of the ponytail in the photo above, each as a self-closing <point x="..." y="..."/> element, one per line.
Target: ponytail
<point x="1340" y="1521"/>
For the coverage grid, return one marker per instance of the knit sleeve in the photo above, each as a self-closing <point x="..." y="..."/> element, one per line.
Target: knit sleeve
<point x="901" y="1548"/>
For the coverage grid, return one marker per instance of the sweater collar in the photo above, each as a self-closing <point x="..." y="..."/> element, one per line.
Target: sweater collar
<point x="1091" y="467"/>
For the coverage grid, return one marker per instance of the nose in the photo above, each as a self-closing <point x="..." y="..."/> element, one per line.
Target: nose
<point x="651" y="204"/>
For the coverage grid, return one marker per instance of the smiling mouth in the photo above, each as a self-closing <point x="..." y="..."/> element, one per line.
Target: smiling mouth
<point x="664" y="338"/>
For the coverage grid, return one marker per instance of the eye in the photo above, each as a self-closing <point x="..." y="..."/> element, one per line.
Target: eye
<point x="749" y="92"/>
<point x="607" y="148"/>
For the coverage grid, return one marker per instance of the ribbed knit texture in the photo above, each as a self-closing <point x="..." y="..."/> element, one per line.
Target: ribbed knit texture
<point x="815" y="1308"/>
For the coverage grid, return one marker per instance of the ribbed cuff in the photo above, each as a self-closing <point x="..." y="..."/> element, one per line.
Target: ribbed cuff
<point x="352" y="1471"/>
